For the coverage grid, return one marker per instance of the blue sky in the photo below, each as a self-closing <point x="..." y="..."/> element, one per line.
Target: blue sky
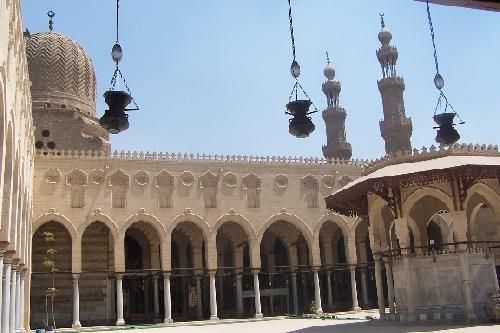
<point x="212" y="76"/>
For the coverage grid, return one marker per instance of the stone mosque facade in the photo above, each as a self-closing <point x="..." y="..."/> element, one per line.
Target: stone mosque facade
<point x="147" y="237"/>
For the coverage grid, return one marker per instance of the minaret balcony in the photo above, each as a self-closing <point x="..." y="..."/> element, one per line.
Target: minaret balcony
<point x="395" y="123"/>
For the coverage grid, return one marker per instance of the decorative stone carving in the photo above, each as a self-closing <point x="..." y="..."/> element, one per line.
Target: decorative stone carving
<point x="141" y="177"/>
<point x="232" y="211"/>
<point x="76" y="177"/>
<point x="119" y="182"/>
<point x="97" y="176"/>
<point x="328" y="181"/>
<point x="281" y="181"/>
<point x="252" y="184"/>
<point x="310" y="185"/>
<point x="343" y="181"/>
<point x="52" y="176"/>
<point x="164" y="182"/>
<point x="209" y="183"/>
<point x="187" y="178"/>
<point x="119" y="178"/>
<point x="229" y="179"/>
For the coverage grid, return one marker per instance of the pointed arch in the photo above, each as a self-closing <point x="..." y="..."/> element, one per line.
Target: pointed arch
<point x="147" y="218"/>
<point x="55" y="217"/>
<point x="189" y="217"/>
<point x="486" y="192"/>
<point x="239" y="219"/>
<point x="99" y="217"/>
<point x="119" y="178"/>
<point x="76" y="177"/>
<point x="336" y="219"/>
<point x="418" y="194"/>
<point x="292" y="219"/>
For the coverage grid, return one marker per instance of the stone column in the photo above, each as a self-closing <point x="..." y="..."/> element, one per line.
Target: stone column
<point x="213" y="297"/>
<point x="199" y="305"/>
<point x="119" y="300"/>
<point x="76" y="302"/>
<point x="239" y="294"/>
<point x="390" y="288"/>
<point x="317" y="293"/>
<point x="2" y="251"/>
<point x="156" y="299"/>
<point x="466" y="291"/>
<point x="17" y="319"/>
<point x="13" y="300"/>
<point x="20" y="326"/>
<point x="256" y="287"/>
<point x="379" y="283"/>
<point x="354" y="291"/>
<point x="329" y="288"/>
<point x="294" y="293"/>
<point x="364" y="287"/>
<point x="409" y="288"/>
<point x="7" y="268"/>
<point x="166" y="299"/>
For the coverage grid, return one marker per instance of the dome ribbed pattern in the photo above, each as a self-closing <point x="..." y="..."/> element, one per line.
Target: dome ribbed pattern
<point x="61" y="73"/>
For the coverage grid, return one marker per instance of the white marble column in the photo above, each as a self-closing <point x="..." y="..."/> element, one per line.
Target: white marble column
<point x="239" y="294"/>
<point x="156" y="299"/>
<point x="167" y="299"/>
<point x="317" y="293"/>
<point x="13" y="299"/>
<point x="329" y="288"/>
<point x="119" y="300"/>
<point x="17" y="318"/>
<point x="213" y="297"/>
<point x="76" y="302"/>
<point x="294" y="294"/>
<point x="364" y="288"/>
<point x="2" y="251"/>
<point x="354" y="291"/>
<point x="20" y="325"/>
<point x="7" y="268"/>
<point x="379" y="283"/>
<point x="199" y="305"/>
<point x="390" y="288"/>
<point x="256" y="287"/>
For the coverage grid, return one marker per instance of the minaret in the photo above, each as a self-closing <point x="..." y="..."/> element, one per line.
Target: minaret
<point x="396" y="128"/>
<point x="334" y="117"/>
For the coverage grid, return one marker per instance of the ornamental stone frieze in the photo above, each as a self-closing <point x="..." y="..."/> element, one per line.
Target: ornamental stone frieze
<point x="141" y="178"/>
<point x="97" y="176"/>
<point x="310" y="187"/>
<point x="119" y="182"/>
<point x="164" y="182"/>
<point x="187" y="179"/>
<point x="252" y="184"/>
<point x="52" y="176"/>
<point x="209" y="183"/>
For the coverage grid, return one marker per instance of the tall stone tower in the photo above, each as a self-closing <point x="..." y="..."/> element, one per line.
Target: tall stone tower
<point x="396" y="128"/>
<point x="334" y="117"/>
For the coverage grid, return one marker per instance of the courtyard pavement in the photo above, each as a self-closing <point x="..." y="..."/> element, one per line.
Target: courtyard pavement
<point x="317" y="326"/>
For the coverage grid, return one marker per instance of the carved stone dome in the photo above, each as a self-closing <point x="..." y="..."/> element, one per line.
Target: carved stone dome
<point x="61" y="73"/>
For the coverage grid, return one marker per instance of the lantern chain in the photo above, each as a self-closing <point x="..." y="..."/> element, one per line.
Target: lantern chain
<point x="431" y="27"/>
<point x="113" y="83"/>
<point x="291" y="27"/>
<point x="117" y="19"/>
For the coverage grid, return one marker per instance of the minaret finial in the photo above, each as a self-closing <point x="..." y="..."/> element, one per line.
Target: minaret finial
<point x="51" y="14"/>
<point x="327" y="58"/>
<point x="382" y="22"/>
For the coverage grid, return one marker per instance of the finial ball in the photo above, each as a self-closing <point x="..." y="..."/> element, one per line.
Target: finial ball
<point x="329" y="72"/>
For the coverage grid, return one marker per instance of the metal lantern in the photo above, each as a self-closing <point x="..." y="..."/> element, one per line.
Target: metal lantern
<point x="300" y="125"/>
<point x="115" y="120"/>
<point x="446" y="133"/>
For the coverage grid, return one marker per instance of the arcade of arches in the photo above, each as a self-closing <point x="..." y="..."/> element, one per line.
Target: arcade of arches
<point x="193" y="273"/>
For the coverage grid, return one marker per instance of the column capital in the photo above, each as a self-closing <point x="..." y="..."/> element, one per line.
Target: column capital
<point x="166" y="275"/>
<point x="377" y="256"/>
<point x="119" y="276"/>
<point x="75" y="276"/>
<point x="3" y="246"/>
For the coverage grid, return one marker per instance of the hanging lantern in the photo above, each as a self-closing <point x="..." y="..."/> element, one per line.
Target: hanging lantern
<point x="300" y="125"/>
<point x="446" y="133"/>
<point x="115" y="120"/>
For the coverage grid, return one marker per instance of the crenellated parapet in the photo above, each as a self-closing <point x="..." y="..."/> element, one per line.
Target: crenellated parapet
<point x="432" y="152"/>
<point x="219" y="158"/>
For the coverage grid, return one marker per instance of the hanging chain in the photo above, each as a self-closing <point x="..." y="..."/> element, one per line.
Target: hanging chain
<point x="117" y="20"/>
<point x="291" y="27"/>
<point x="431" y="27"/>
